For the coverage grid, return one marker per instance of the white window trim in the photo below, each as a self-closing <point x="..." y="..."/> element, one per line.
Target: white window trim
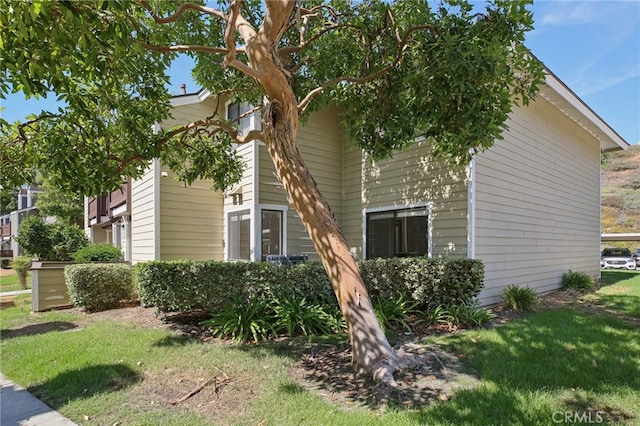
<point x="427" y="204"/>
<point x="258" y="230"/>
<point x="227" y="232"/>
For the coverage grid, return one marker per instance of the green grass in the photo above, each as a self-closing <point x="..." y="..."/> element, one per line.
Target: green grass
<point x="620" y="291"/>
<point x="11" y="283"/>
<point x="561" y="361"/>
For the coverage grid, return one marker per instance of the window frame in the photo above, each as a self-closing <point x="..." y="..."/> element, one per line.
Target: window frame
<point x="428" y="206"/>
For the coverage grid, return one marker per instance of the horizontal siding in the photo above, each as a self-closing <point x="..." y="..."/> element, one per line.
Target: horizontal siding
<point x="537" y="202"/>
<point x="49" y="289"/>
<point x="191" y="220"/>
<point x="320" y="143"/>
<point x="411" y="177"/>
<point x="351" y="217"/>
<point x="143" y="218"/>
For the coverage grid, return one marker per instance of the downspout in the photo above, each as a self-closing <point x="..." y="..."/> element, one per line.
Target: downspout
<point x="471" y="208"/>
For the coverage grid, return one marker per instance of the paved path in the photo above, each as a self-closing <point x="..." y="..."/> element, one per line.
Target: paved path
<point x="13" y="293"/>
<point x="19" y="408"/>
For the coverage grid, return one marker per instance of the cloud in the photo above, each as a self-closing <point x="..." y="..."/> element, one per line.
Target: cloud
<point x="567" y="12"/>
<point x="586" y="87"/>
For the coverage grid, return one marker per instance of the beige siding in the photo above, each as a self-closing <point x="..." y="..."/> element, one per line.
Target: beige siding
<point x="191" y="220"/>
<point x="351" y="218"/>
<point x="537" y="202"/>
<point x="144" y="219"/>
<point x="411" y="177"/>
<point x="49" y="289"/>
<point x="320" y="141"/>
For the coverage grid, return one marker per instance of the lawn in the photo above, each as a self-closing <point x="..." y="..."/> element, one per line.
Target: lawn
<point x="577" y="364"/>
<point x="9" y="282"/>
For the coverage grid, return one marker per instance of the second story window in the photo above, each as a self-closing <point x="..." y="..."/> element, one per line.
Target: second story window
<point x="247" y="123"/>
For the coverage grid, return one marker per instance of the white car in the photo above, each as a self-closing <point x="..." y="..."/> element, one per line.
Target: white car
<point x="617" y="258"/>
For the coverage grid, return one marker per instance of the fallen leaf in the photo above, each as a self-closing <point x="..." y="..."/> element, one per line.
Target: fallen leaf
<point x="86" y="418"/>
<point x="443" y="397"/>
<point x="431" y="377"/>
<point x="594" y="363"/>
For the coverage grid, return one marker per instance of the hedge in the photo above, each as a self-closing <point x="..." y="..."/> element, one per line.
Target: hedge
<point x="184" y="286"/>
<point x="98" y="287"/>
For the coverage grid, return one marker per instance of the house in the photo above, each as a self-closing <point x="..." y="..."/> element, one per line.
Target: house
<point x="529" y="207"/>
<point x="10" y="223"/>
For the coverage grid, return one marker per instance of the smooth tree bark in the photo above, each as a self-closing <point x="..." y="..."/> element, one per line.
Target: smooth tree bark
<point x="371" y="350"/>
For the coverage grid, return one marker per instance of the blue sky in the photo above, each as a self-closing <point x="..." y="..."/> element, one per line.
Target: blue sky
<point x="592" y="46"/>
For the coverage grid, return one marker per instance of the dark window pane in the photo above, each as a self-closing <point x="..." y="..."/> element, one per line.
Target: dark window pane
<point x="271" y="232"/>
<point x="240" y="235"/>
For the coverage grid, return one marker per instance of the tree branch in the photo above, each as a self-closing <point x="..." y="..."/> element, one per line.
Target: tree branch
<point x="180" y="11"/>
<point x="187" y="48"/>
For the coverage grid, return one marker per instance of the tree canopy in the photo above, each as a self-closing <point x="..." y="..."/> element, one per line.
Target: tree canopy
<point x="396" y="69"/>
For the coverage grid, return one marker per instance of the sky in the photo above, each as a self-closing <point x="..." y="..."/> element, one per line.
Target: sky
<point x="592" y="46"/>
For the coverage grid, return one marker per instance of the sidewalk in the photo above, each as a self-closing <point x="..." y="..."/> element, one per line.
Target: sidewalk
<point x="19" y="408"/>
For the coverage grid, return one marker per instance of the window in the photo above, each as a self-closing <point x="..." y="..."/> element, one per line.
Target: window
<point x="245" y="124"/>
<point x="271" y="232"/>
<point x="240" y="235"/>
<point x="397" y="233"/>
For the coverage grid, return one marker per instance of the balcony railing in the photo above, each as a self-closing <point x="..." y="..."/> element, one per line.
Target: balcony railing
<point x="121" y="196"/>
<point x="6" y="253"/>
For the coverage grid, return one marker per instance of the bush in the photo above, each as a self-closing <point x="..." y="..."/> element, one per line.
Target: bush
<point x="469" y="315"/>
<point x="577" y="281"/>
<point x="183" y="286"/>
<point x="394" y="313"/>
<point x="429" y="282"/>
<point x="50" y="241"/>
<point x="297" y="316"/>
<point x="98" y="287"/>
<point x="98" y="253"/>
<point x="21" y="264"/>
<point x="519" y="298"/>
<point x="242" y="321"/>
<point x="35" y="237"/>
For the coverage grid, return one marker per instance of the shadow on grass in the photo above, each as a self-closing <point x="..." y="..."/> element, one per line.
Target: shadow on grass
<point x="84" y="383"/>
<point x="612" y="277"/>
<point x="34" y="329"/>
<point x="172" y="340"/>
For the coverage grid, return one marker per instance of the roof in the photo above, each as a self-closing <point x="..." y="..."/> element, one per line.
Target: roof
<point x="560" y="95"/>
<point x="554" y="90"/>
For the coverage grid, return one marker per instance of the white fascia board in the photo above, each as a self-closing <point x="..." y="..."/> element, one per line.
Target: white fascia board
<point x="192" y="98"/>
<point x="595" y="125"/>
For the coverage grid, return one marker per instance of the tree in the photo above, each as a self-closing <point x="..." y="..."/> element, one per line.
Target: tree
<point x="66" y="206"/>
<point x="8" y="200"/>
<point x="396" y="70"/>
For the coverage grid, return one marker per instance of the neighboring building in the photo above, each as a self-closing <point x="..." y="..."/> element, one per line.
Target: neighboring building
<point x="529" y="207"/>
<point x="10" y="223"/>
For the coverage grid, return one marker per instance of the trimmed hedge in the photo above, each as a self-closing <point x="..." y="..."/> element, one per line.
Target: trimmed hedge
<point x="184" y="285"/>
<point x="103" y="252"/>
<point x="98" y="287"/>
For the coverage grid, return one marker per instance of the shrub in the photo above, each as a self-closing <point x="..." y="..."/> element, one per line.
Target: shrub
<point x="50" y="241"/>
<point x="298" y="316"/>
<point x="183" y="286"/>
<point x="519" y="298"/>
<point x="394" y="313"/>
<point x="577" y="281"/>
<point x="35" y="237"/>
<point x="97" y="287"/>
<point x="242" y="321"/>
<point x="103" y="252"/>
<point x="21" y="264"/>
<point x="469" y="315"/>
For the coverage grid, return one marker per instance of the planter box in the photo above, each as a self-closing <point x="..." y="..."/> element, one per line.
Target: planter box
<point x="48" y="288"/>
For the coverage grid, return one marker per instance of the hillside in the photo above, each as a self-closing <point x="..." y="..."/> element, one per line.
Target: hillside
<point x="621" y="193"/>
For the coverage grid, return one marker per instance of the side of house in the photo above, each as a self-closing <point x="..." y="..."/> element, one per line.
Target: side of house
<point x="528" y="207"/>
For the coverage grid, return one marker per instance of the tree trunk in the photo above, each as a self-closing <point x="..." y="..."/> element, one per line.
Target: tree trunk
<point x="372" y="353"/>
